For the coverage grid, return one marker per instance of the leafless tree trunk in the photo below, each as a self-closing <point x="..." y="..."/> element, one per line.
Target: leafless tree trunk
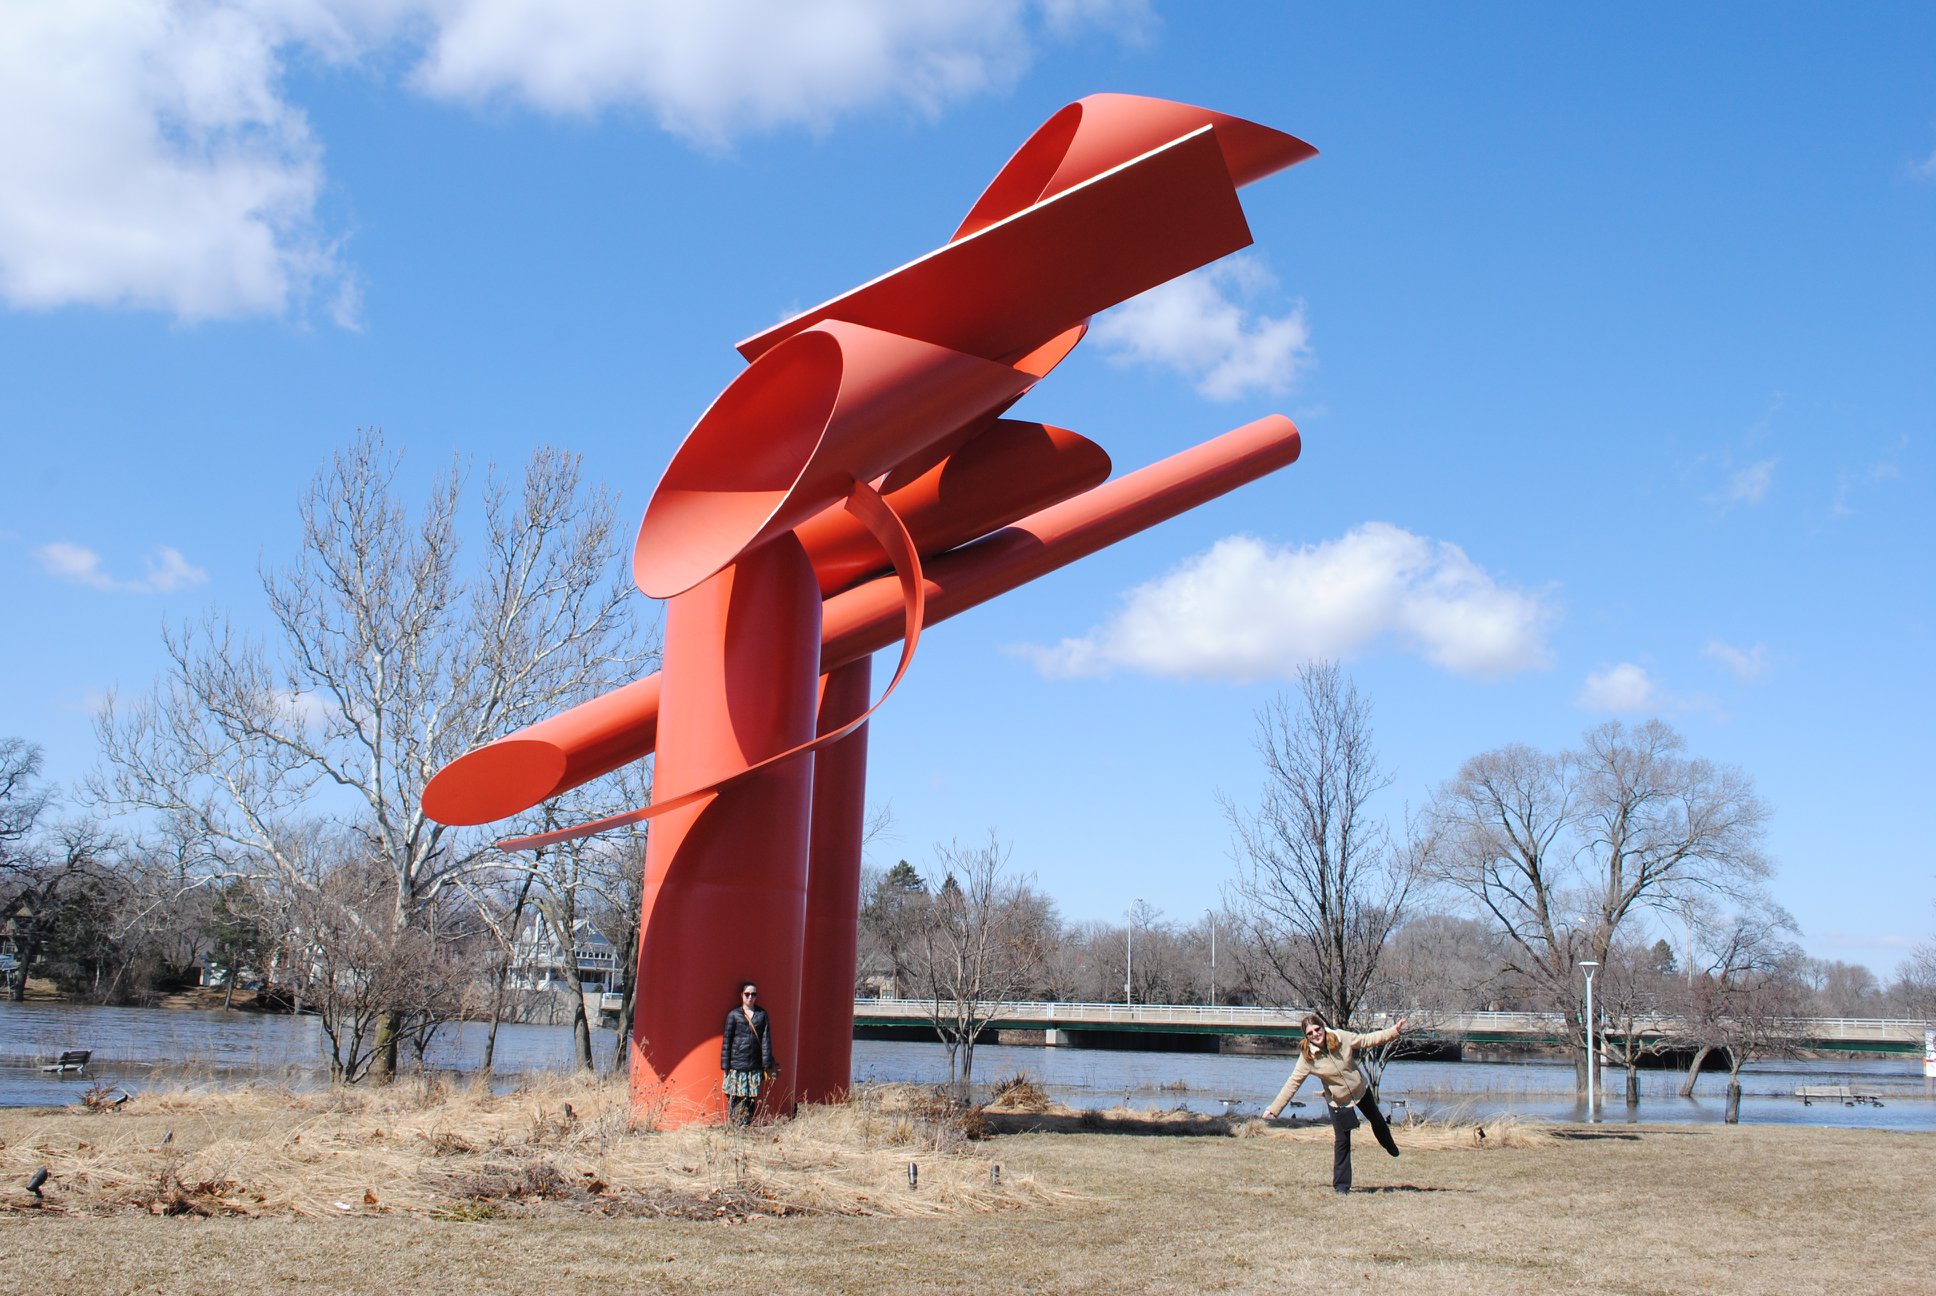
<point x="1745" y="1001"/>
<point x="981" y="942"/>
<point x="388" y="664"/>
<point x="1320" y="886"/>
<point x="503" y="927"/>
<point x="1560" y="853"/>
<point x="1701" y="1054"/>
<point x="1632" y="994"/>
<point x="624" y="896"/>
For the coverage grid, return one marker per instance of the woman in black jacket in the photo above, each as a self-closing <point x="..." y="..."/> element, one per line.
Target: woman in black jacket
<point x="746" y="1054"/>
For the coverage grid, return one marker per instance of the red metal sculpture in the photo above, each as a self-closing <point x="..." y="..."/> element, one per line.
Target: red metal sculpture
<point x="857" y="483"/>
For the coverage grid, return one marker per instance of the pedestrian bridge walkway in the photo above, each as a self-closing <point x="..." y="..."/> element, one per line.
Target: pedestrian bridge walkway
<point x="1062" y="1021"/>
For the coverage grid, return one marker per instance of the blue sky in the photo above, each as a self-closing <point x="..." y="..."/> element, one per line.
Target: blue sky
<point x="1610" y="335"/>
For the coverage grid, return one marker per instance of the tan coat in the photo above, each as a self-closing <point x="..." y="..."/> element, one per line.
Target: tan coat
<point x="1336" y="1068"/>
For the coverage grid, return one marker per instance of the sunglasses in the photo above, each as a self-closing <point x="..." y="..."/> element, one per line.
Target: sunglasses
<point x="749" y="994"/>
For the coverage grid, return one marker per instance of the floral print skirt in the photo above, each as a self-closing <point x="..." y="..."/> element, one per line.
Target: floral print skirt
<point x="743" y="1084"/>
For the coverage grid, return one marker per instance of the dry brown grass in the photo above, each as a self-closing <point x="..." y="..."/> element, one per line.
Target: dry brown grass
<point x="1632" y="1211"/>
<point x="423" y="1149"/>
<point x="1493" y="1135"/>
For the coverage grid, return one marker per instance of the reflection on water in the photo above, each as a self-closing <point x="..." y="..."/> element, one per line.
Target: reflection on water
<point x="129" y="1044"/>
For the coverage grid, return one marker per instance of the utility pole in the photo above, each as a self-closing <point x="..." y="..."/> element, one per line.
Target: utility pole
<point x="1212" y="916"/>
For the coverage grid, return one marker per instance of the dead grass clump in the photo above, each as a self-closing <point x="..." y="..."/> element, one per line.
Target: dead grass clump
<point x="1020" y="1093"/>
<point x="561" y="1143"/>
<point x="913" y="1116"/>
<point x="1492" y="1134"/>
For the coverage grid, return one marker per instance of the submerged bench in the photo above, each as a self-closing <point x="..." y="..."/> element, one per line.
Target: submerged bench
<point x="72" y="1060"/>
<point x="1847" y="1095"/>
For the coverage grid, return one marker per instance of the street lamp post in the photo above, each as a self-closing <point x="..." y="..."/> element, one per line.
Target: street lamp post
<point x="1587" y="966"/>
<point x="1129" y="953"/>
<point x="1213" y="955"/>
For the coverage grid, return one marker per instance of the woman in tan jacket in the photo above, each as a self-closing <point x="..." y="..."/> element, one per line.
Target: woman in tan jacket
<point x="1332" y="1056"/>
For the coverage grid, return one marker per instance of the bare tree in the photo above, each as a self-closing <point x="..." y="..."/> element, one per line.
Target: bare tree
<point x="1320" y="885"/>
<point x="1839" y="989"/>
<point x="499" y="900"/>
<point x="892" y="914"/>
<point x="369" y="981"/>
<point x="22" y="798"/>
<point x="981" y="943"/>
<point x="579" y="876"/>
<point x="1635" y="989"/>
<point x="619" y="917"/>
<point x="1562" y="853"/>
<point x="1439" y="964"/>
<point x="1915" y="985"/>
<point x="389" y="663"/>
<point x="44" y="867"/>
<point x="22" y="802"/>
<point x="1744" y="1002"/>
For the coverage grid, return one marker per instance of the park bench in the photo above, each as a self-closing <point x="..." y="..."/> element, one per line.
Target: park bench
<point x="74" y="1060"/>
<point x="1847" y="1095"/>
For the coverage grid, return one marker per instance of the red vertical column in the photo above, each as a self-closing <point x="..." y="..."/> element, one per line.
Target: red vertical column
<point x="726" y="878"/>
<point x="833" y="890"/>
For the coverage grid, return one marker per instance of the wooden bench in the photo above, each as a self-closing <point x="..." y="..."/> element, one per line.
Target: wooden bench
<point x="74" y="1060"/>
<point x="1847" y="1095"/>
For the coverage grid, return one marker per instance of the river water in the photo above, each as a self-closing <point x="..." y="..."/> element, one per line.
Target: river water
<point x="134" y="1047"/>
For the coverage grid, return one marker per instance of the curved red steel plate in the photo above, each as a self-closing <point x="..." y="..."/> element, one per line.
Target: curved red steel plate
<point x="835" y="404"/>
<point x="505" y="777"/>
<point x="1038" y="363"/>
<point x="1102" y="131"/>
<point x="1009" y="471"/>
<point x="862" y="620"/>
<point x="1005" y="290"/>
<point x="516" y="772"/>
<point x="869" y="507"/>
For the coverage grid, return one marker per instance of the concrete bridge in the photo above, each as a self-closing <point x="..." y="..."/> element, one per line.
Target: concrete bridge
<point x="1203" y="1026"/>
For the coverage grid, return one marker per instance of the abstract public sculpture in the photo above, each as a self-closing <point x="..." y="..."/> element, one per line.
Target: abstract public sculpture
<point x="855" y="484"/>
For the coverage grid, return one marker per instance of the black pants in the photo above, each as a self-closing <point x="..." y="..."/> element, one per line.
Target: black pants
<point x="740" y="1110"/>
<point x="1345" y="1119"/>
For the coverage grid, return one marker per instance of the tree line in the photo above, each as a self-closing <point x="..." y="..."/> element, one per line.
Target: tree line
<point x="1526" y="869"/>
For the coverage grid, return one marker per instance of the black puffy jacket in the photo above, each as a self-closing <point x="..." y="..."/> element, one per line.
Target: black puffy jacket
<point x="744" y="1045"/>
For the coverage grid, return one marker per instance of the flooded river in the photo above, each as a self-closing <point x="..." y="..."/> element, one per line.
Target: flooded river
<point x="134" y="1046"/>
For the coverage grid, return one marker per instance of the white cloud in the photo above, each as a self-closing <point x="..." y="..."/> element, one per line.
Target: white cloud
<point x="151" y="156"/>
<point x="1199" y="326"/>
<point x="1749" y="667"/>
<point x="712" y="69"/>
<point x="1246" y="610"/>
<point x="1750" y="485"/>
<point x="1925" y="169"/>
<point x="164" y="571"/>
<point x="150" y="161"/>
<point x="306" y="710"/>
<point x="1622" y="688"/>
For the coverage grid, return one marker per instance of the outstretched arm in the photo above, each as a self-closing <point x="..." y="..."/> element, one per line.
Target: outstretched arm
<point x="1284" y="1095"/>
<point x="1372" y="1039"/>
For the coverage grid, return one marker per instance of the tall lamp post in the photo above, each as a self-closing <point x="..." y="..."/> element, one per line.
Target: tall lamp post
<point x="1587" y="966"/>
<point x="1129" y="952"/>
<point x="1212" y="916"/>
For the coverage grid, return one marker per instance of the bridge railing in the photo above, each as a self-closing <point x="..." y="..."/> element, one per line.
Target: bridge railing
<point x="1076" y="1013"/>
